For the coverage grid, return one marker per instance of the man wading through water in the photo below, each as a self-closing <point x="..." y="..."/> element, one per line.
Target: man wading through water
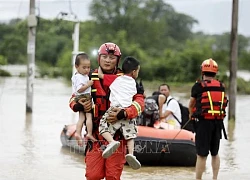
<point x="207" y="107"/>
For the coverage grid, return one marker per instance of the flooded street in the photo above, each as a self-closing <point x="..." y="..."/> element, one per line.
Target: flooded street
<point x="30" y="147"/>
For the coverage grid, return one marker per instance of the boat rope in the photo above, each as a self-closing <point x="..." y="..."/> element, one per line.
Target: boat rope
<point x="166" y="148"/>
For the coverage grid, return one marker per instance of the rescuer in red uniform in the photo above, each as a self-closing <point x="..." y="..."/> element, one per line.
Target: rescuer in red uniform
<point x="97" y="167"/>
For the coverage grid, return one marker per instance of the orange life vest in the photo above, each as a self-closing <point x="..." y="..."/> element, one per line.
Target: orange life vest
<point x="213" y="100"/>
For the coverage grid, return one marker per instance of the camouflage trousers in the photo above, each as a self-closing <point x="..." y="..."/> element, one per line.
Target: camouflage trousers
<point x="127" y="127"/>
<point x="86" y="96"/>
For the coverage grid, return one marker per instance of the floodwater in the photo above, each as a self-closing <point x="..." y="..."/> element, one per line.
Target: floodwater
<point x="30" y="147"/>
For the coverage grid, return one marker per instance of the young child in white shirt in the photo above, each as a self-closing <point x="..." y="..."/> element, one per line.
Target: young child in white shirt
<point x="81" y="86"/>
<point x="122" y="90"/>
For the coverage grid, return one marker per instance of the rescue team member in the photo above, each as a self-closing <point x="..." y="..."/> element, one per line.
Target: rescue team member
<point x="98" y="167"/>
<point x="207" y="106"/>
<point x="122" y="91"/>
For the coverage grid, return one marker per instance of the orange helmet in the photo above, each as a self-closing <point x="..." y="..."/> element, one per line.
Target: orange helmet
<point x="209" y="65"/>
<point x="109" y="48"/>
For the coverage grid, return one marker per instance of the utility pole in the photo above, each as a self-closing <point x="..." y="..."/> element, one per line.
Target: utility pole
<point x="75" y="38"/>
<point x="32" y="23"/>
<point x="233" y="61"/>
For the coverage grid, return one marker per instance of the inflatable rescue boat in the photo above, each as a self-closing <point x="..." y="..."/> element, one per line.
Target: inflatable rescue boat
<point x="153" y="147"/>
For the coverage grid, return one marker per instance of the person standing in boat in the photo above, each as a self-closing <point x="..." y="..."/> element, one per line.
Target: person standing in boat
<point x="207" y="107"/>
<point x="97" y="167"/>
<point x="171" y="112"/>
<point x="122" y="91"/>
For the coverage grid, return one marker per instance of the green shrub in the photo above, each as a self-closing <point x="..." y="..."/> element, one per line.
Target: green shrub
<point x="4" y="73"/>
<point x="243" y="86"/>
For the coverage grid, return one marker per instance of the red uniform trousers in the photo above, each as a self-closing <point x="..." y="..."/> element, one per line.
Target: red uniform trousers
<point x="98" y="167"/>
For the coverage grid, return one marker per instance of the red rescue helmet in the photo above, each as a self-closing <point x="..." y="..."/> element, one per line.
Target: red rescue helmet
<point x="209" y="65"/>
<point x="109" y="48"/>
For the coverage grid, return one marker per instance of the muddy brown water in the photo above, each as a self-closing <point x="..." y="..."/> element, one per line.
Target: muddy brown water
<point x="30" y="147"/>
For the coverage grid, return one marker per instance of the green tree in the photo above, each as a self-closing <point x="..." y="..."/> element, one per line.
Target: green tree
<point x="146" y="22"/>
<point x="3" y="60"/>
<point x="65" y="64"/>
<point x="150" y="30"/>
<point x="14" y="49"/>
<point x="244" y="60"/>
<point x="13" y="42"/>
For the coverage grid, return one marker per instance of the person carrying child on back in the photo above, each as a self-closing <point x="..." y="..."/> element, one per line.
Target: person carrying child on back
<point x="122" y="89"/>
<point x="81" y="86"/>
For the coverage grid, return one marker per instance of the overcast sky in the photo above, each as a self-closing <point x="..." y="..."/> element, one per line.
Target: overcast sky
<point x="214" y="16"/>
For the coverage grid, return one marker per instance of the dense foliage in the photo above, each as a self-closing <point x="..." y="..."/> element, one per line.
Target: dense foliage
<point x="150" y="30"/>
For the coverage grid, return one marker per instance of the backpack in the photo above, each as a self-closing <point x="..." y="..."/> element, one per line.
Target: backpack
<point x="184" y="117"/>
<point x="150" y="113"/>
